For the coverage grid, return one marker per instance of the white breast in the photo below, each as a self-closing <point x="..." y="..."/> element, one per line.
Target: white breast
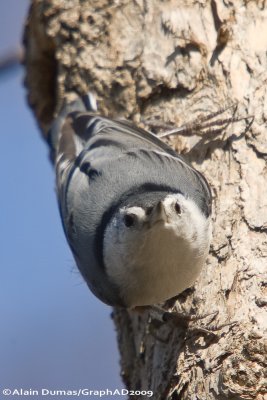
<point x="166" y="266"/>
<point x="166" y="261"/>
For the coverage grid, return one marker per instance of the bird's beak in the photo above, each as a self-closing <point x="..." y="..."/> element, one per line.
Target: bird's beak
<point x="158" y="214"/>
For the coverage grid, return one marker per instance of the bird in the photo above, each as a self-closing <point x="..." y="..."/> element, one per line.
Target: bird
<point x="136" y="215"/>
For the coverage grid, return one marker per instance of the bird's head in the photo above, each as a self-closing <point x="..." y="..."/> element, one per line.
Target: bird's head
<point x="148" y="244"/>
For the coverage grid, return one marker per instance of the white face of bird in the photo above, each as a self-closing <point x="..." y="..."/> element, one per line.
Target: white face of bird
<point x="143" y="246"/>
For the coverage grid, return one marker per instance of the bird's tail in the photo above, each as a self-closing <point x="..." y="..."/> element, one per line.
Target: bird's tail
<point x="81" y="104"/>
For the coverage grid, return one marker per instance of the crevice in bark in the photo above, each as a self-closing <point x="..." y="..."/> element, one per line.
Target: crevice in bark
<point x="160" y="94"/>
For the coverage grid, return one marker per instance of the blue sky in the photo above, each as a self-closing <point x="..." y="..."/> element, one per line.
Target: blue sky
<point x="54" y="333"/>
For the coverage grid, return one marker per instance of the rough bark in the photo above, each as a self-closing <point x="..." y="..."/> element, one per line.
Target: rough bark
<point x="172" y="61"/>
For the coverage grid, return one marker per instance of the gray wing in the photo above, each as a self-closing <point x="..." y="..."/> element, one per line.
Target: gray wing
<point x="84" y="132"/>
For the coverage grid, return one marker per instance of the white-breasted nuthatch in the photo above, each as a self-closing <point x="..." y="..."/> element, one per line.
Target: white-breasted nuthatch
<point x="136" y="215"/>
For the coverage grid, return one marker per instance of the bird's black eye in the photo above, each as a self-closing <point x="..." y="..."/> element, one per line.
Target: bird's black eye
<point x="129" y="220"/>
<point x="149" y="210"/>
<point x="177" y="208"/>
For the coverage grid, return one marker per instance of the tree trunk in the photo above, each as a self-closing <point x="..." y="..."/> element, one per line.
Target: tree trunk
<point x="170" y="62"/>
